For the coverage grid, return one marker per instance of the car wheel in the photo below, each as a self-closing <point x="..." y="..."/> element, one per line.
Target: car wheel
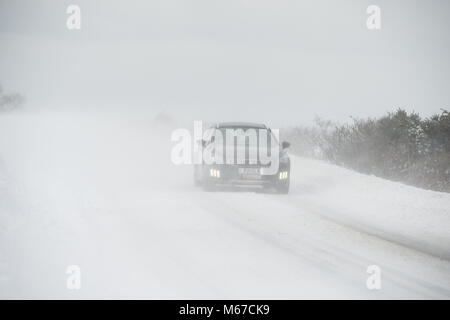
<point x="197" y="178"/>
<point x="208" y="186"/>
<point x="283" y="188"/>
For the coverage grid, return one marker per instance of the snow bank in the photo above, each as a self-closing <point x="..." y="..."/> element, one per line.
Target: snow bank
<point x="393" y="211"/>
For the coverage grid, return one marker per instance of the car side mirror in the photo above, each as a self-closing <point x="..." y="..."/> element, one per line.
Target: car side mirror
<point x="201" y="142"/>
<point x="285" y="145"/>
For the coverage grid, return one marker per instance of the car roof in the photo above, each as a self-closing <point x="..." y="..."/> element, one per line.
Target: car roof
<point x="241" y="125"/>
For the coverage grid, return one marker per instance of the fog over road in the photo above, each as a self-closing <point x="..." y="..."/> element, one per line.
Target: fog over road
<point x="101" y="192"/>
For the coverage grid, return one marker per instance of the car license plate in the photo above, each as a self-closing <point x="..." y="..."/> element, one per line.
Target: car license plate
<point x="249" y="171"/>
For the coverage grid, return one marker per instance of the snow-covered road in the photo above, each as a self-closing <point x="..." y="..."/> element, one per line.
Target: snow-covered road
<point x="102" y="193"/>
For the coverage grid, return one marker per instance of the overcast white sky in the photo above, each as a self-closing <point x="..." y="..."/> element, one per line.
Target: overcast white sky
<point x="279" y="62"/>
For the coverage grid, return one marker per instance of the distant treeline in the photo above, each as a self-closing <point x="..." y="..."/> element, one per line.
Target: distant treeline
<point x="399" y="146"/>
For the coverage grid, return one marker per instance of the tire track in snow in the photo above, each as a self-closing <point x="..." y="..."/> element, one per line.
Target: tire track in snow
<point x="321" y="254"/>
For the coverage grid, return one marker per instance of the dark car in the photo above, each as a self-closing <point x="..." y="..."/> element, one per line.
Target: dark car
<point x="248" y="155"/>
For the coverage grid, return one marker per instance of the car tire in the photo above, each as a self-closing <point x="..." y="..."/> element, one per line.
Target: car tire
<point x="197" y="183"/>
<point x="208" y="186"/>
<point x="283" y="188"/>
<point x="197" y="179"/>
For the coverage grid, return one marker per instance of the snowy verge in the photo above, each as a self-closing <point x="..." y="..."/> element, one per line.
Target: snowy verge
<point x="390" y="210"/>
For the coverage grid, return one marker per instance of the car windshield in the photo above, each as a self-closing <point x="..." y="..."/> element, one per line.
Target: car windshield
<point x="247" y="136"/>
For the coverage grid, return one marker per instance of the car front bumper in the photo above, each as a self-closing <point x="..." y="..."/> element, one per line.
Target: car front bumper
<point x="229" y="175"/>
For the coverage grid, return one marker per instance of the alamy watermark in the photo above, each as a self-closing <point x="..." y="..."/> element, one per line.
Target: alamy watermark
<point x="73" y="281"/>
<point x="74" y="19"/>
<point x="374" y="19"/>
<point x="227" y="145"/>
<point x="373" y="282"/>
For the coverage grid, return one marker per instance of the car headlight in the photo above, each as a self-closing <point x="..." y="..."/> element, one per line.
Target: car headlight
<point x="283" y="175"/>
<point x="214" y="173"/>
